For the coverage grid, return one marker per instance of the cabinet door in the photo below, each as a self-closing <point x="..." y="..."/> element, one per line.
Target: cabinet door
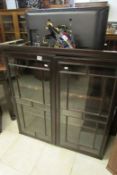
<point x="8" y="27"/>
<point x="85" y="101"/>
<point x="31" y="86"/>
<point x="22" y="27"/>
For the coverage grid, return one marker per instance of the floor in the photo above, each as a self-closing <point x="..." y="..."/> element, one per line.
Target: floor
<point x="22" y="155"/>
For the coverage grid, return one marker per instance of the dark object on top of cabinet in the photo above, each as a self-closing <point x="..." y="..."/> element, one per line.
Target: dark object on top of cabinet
<point x="90" y="34"/>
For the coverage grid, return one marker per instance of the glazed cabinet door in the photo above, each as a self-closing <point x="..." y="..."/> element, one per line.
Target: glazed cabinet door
<point x="85" y="95"/>
<point x="7" y="27"/>
<point x="31" y="86"/>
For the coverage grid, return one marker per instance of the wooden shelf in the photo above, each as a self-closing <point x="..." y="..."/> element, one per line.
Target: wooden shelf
<point x="84" y="97"/>
<point x="58" y="6"/>
<point x="8" y="22"/>
<point x="111" y="37"/>
<point x="9" y="32"/>
<point x="23" y="32"/>
<point x="36" y="88"/>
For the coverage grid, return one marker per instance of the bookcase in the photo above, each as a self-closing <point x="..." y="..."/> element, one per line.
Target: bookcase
<point x="13" y="24"/>
<point x="67" y="98"/>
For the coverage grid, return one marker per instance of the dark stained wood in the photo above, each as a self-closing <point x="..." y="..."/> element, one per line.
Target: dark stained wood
<point x="76" y="54"/>
<point x="73" y="57"/>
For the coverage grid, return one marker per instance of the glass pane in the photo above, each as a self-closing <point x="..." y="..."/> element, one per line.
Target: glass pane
<point x="76" y="131"/>
<point x="84" y="131"/>
<point x="107" y="96"/>
<point x="9" y="37"/>
<point x="21" y="18"/>
<point x="96" y="118"/>
<point x="6" y="18"/>
<point x="74" y="68"/>
<point x="85" y="101"/>
<point x="8" y="27"/>
<point x="81" y="93"/>
<point x="85" y="93"/>
<point x="103" y="71"/>
<point x="22" y="26"/>
<point x="86" y="137"/>
<point x="70" y="129"/>
<point x="8" y="23"/>
<point x="24" y="36"/>
<point x="31" y="84"/>
<point x="99" y="136"/>
<point x="22" y="23"/>
<point x="35" y="123"/>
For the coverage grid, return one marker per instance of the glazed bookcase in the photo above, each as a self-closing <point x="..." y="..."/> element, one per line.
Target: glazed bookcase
<point x="64" y="97"/>
<point x="13" y="25"/>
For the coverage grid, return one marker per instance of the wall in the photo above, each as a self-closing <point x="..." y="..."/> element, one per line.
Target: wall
<point x="113" y="8"/>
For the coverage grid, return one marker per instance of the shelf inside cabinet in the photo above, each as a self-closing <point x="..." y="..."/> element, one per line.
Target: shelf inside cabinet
<point x="28" y="102"/>
<point x="83" y="96"/>
<point x="36" y="88"/>
<point x="7" y="22"/>
<point x="64" y="93"/>
<point x="9" y="32"/>
<point x="23" y="32"/>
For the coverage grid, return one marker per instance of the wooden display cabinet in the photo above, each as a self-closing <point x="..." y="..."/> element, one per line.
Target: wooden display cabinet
<point x="67" y="98"/>
<point x="13" y="24"/>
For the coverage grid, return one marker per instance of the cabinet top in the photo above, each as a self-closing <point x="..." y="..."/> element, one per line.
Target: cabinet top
<point x="65" y="54"/>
